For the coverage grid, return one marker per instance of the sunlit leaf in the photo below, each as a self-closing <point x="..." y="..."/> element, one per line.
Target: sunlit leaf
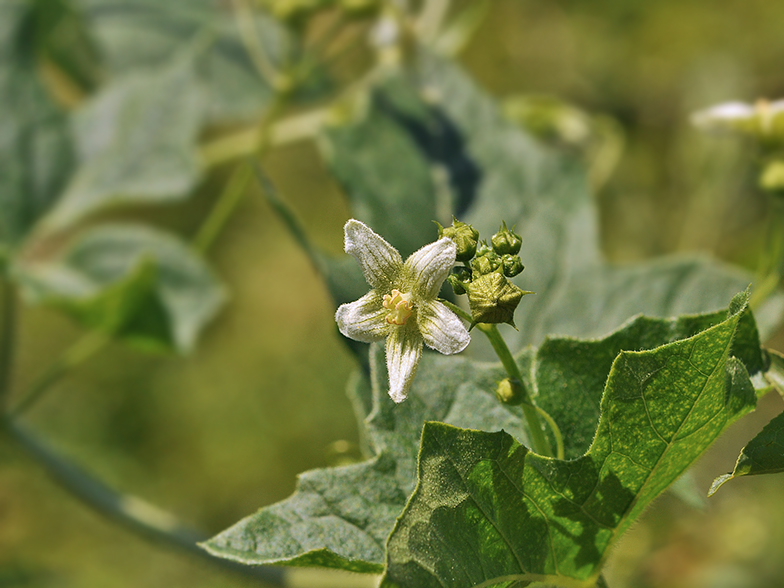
<point x="137" y="283"/>
<point x="487" y="511"/>
<point x="340" y="517"/>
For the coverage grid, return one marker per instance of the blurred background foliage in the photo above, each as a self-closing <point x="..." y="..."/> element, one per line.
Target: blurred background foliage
<point x="214" y="435"/>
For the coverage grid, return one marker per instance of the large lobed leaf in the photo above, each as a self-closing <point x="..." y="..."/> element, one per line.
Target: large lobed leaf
<point x="134" y="282"/>
<point x="341" y="517"/>
<point x="487" y="511"/>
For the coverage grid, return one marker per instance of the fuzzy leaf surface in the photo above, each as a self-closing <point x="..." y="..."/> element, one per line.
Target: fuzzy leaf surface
<point x="489" y="512"/>
<point x="140" y="284"/>
<point x="340" y="517"/>
<point x="136" y="142"/>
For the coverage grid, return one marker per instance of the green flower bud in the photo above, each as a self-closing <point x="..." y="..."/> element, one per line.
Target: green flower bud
<point x="493" y="299"/>
<point x="465" y="237"/>
<point x="483" y="248"/>
<point x="512" y="264"/>
<point x="506" y="242"/>
<point x="459" y="279"/>
<point x="487" y="263"/>
<point x="510" y="391"/>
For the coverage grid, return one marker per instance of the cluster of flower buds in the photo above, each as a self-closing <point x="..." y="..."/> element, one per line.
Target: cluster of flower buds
<point x="483" y="275"/>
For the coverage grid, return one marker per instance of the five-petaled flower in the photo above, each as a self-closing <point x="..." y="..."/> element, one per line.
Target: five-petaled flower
<point x="402" y="306"/>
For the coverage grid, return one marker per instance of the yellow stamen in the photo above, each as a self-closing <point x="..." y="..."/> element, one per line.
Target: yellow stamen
<point x="400" y="305"/>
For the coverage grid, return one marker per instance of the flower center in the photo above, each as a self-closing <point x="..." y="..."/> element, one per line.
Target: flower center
<point x="400" y="306"/>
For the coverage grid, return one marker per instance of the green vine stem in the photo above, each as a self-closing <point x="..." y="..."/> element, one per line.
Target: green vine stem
<point x="7" y="331"/>
<point x="538" y="439"/>
<point x="134" y="513"/>
<point x="75" y="355"/>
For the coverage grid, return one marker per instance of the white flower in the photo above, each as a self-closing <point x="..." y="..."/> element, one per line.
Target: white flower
<point x="402" y="305"/>
<point x="761" y="118"/>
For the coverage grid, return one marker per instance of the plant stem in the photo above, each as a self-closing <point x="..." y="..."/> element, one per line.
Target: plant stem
<point x="245" y="19"/>
<point x="134" y="513"/>
<point x="540" y="443"/>
<point x="223" y="209"/>
<point x="79" y="352"/>
<point x="235" y="189"/>
<point x="538" y="439"/>
<point x="7" y="337"/>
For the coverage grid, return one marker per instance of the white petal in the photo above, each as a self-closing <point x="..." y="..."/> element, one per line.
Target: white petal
<point x="364" y="319"/>
<point x="380" y="262"/>
<point x="429" y="267"/>
<point x="441" y="328"/>
<point x="404" y="348"/>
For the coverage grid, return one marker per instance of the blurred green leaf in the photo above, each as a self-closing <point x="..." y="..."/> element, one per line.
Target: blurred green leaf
<point x="340" y="517"/>
<point x="484" y="169"/>
<point x="36" y="154"/>
<point x="136" y="141"/>
<point x="487" y="511"/>
<point x="140" y="284"/>
<point x="763" y="455"/>
<point x="144" y="33"/>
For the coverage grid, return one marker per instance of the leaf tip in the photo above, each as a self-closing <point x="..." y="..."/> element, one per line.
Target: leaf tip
<point x="718" y="483"/>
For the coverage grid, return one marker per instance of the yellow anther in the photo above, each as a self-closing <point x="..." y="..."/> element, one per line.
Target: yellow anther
<point x="400" y="305"/>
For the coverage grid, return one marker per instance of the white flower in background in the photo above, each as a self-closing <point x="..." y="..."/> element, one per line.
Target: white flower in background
<point x="402" y="305"/>
<point x="762" y="118"/>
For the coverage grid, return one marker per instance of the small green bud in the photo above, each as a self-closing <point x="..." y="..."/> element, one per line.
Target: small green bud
<point x="465" y="237"/>
<point x="493" y="299"/>
<point x="483" y="248"/>
<point x="506" y="242"/>
<point x="510" y="391"/>
<point x="486" y="264"/>
<point x="459" y="279"/>
<point x="512" y="264"/>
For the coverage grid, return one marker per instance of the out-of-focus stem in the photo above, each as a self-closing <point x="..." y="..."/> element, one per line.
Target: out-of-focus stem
<point x="7" y="336"/>
<point x="135" y="513"/>
<point x="79" y="352"/>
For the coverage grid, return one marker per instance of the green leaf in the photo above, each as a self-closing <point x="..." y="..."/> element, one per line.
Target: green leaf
<point x="136" y="141"/>
<point x="139" y="284"/>
<point x="36" y="153"/>
<point x="487" y="511"/>
<point x="143" y="33"/>
<point x="484" y="169"/>
<point x="763" y="455"/>
<point x="340" y="517"/>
